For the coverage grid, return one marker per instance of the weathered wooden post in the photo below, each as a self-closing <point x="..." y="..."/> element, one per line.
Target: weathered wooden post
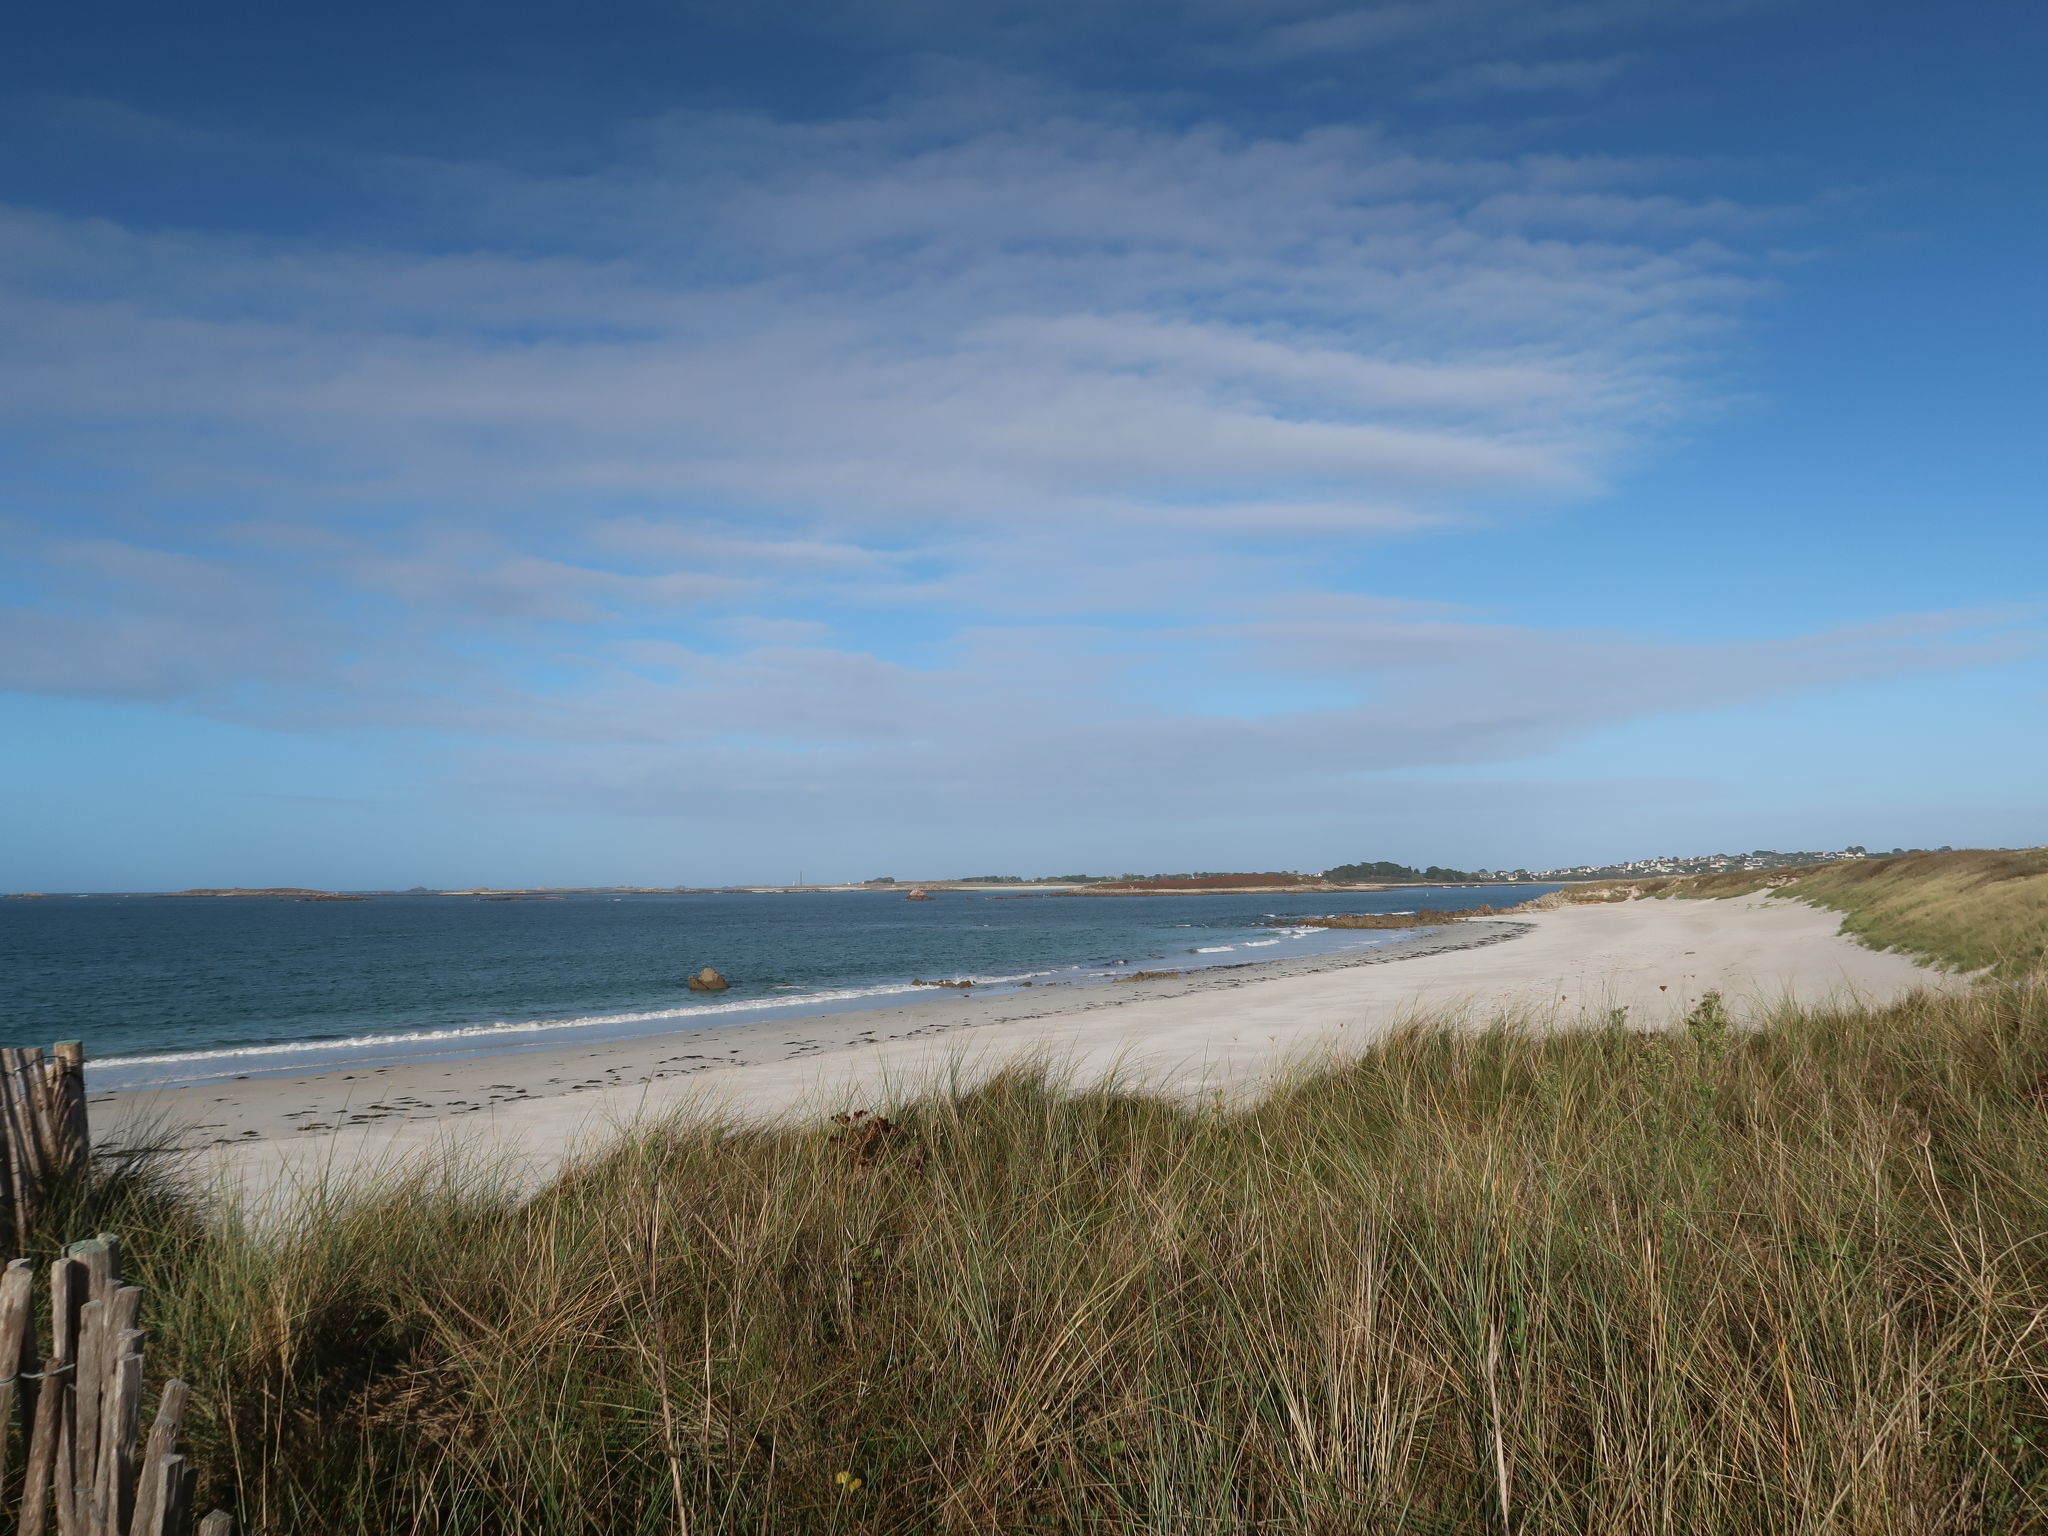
<point x="64" y="1091"/>
<point x="44" y="1136"/>
<point x="87" y="1468"/>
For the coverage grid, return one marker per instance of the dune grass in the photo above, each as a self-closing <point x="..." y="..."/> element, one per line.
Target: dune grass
<point x="1792" y="1280"/>
<point x="1972" y="910"/>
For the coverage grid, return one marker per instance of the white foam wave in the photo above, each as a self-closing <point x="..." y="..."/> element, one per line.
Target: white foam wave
<point x="499" y="1030"/>
<point x="282" y="1052"/>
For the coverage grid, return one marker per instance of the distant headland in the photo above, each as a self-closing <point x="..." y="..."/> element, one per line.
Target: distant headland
<point x="1360" y="875"/>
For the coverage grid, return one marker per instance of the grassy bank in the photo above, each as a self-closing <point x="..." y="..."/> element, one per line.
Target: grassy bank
<point x="1792" y="1281"/>
<point x="1973" y="910"/>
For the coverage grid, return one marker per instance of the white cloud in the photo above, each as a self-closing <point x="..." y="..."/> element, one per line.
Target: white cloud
<point x="128" y="621"/>
<point x="523" y="589"/>
<point x="1513" y="76"/>
<point x="1056" y="722"/>
<point x="1421" y="30"/>
<point x="1078" y="315"/>
<point x="610" y="479"/>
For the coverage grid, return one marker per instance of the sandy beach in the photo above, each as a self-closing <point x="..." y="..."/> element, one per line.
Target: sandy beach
<point x="1228" y="1030"/>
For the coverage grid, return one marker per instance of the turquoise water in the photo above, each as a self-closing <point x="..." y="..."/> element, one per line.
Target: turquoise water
<point x="165" y="990"/>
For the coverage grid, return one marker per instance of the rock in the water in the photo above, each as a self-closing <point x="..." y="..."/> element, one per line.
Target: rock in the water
<point x="708" y="980"/>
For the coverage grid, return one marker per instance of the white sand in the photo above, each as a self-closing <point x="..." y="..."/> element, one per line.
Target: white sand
<point x="1228" y="1032"/>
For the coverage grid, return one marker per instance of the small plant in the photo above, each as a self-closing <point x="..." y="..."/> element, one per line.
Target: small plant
<point x="1708" y="1022"/>
<point x="864" y="1137"/>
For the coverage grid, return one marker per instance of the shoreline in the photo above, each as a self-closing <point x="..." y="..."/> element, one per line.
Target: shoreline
<point x="741" y="1017"/>
<point x="223" y="1112"/>
<point x="1226" y="1033"/>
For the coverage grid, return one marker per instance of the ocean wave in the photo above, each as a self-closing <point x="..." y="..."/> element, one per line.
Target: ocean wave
<point x="786" y="996"/>
<point x="500" y="1029"/>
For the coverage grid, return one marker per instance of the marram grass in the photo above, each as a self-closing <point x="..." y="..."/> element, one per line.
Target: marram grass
<point x="1490" y="1282"/>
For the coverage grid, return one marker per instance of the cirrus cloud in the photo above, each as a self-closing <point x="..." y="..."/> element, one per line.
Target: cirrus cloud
<point x="967" y="453"/>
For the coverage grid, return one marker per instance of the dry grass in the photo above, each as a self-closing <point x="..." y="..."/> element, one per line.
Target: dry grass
<point x="1785" y="1282"/>
<point x="1977" y="909"/>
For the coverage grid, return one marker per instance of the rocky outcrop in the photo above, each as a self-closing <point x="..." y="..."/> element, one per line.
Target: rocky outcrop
<point x="708" y="980"/>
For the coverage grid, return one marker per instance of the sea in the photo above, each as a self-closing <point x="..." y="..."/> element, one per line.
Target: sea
<point x="166" y="990"/>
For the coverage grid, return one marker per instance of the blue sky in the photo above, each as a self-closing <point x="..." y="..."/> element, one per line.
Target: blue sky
<point x="685" y="443"/>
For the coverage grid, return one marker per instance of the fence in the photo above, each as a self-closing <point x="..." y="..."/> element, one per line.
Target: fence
<point x="87" y="1466"/>
<point x="42" y="1128"/>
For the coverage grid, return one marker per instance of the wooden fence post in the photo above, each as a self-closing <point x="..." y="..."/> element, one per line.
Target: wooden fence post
<point x="17" y="1312"/>
<point x="44" y="1137"/>
<point x="86" y="1466"/>
<point x="64" y="1096"/>
<point x="16" y="1132"/>
<point x="157" y="1490"/>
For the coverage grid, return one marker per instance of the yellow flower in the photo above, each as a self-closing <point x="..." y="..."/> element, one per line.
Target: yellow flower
<point x="848" y="1481"/>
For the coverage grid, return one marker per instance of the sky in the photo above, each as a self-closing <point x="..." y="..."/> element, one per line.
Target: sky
<point x="658" y="442"/>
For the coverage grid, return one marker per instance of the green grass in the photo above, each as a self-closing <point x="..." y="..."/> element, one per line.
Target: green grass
<point x="1974" y="910"/>
<point x="1789" y="1281"/>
